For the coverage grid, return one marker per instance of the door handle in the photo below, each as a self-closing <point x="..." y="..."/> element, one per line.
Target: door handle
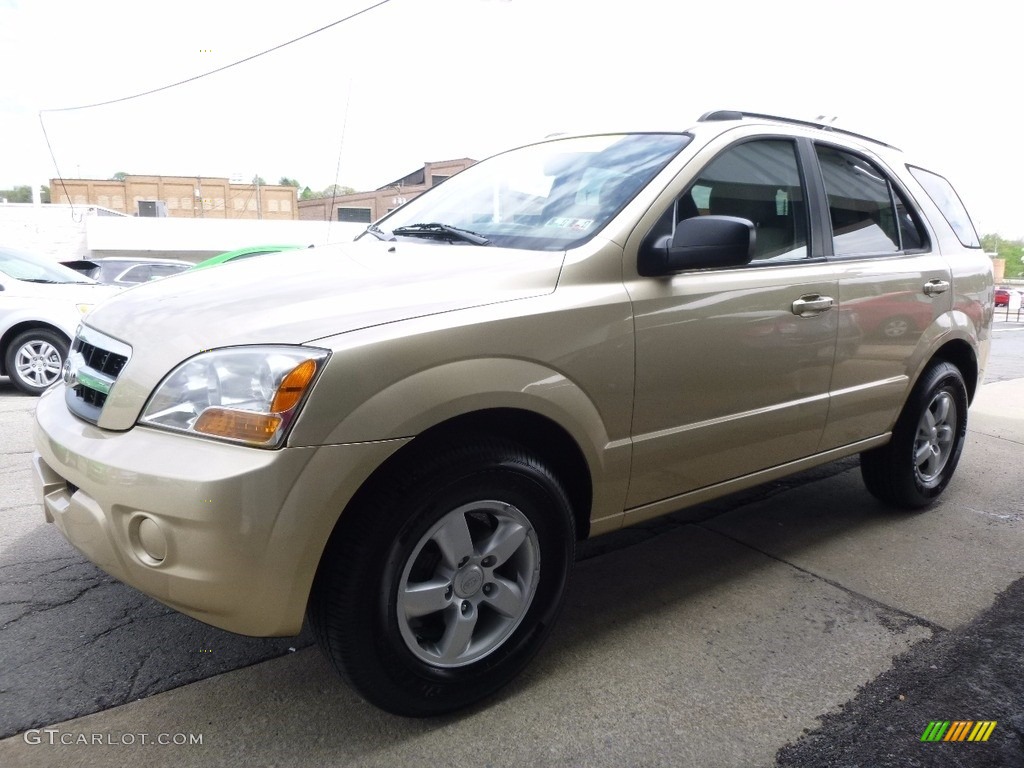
<point x="936" y="287"/>
<point x="812" y="304"/>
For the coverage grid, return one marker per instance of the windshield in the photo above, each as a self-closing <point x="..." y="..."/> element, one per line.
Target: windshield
<point x="549" y="196"/>
<point x="37" y="269"/>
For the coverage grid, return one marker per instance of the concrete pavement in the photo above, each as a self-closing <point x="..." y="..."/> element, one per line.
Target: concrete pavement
<point x="713" y="640"/>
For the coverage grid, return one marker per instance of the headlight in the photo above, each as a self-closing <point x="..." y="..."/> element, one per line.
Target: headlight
<point x="244" y="394"/>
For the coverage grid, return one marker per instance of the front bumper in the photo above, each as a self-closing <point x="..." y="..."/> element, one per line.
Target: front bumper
<point x="227" y="534"/>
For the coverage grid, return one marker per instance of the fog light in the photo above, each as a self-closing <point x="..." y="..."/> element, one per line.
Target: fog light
<point x="148" y="540"/>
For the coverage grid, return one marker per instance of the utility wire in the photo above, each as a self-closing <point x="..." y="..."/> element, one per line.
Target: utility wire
<point x="337" y="167"/>
<point x="220" y="69"/>
<point x="183" y="82"/>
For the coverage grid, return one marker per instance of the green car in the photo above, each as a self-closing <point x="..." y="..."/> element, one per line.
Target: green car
<point x="245" y="253"/>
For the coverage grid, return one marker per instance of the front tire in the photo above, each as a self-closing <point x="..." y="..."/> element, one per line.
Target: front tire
<point x="919" y="461"/>
<point x="443" y="581"/>
<point x="35" y="359"/>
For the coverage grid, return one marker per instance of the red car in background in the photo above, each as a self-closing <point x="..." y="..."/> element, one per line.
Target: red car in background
<point x="1002" y="297"/>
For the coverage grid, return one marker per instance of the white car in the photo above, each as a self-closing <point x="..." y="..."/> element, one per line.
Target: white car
<point x="41" y="304"/>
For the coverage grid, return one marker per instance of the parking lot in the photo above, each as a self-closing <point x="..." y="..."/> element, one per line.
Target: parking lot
<point x="713" y="637"/>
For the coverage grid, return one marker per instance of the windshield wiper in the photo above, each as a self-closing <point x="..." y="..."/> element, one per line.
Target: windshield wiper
<point x="445" y="231"/>
<point x="377" y="232"/>
<point x="44" y="280"/>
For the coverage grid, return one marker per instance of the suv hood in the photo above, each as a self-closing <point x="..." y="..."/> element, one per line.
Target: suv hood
<point x="297" y="297"/>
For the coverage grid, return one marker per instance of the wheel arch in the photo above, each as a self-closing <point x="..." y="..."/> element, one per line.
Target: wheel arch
<point x="543" y="437"/>
<point x="961" y="354"/>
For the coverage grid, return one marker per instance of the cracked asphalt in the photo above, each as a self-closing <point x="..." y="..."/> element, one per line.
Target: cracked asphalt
<point x="794" y="624"/>
<point x="72" y="639"/>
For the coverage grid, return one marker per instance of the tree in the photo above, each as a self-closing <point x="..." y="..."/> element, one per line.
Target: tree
<point x="257" y="179"/>
<point x="44" y="194"/>
<point x="336" y="191"/>
<point x="284" y="181"/>
<point x="119" y="176"/>
<point x="20" y="194"/>
<point x="307" y="194"/>
<point x="1011" y="250"/>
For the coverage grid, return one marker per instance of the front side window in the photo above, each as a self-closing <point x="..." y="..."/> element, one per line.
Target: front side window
<point x="868" y="215"/>
<point x="549" y="196"/>
<point x="759" y="181"/>
<point x="948" y="202"/>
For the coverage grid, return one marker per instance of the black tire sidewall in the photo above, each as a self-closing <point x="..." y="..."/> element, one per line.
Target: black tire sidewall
<point x="38" y="334"/>
<point x="942" y="377"/>
<point x="375" y="656"/>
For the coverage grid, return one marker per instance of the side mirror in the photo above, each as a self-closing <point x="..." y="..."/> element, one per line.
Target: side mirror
<point x="698" y="243"/>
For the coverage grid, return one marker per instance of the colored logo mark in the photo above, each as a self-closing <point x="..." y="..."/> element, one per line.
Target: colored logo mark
<point x="958" y="730"/>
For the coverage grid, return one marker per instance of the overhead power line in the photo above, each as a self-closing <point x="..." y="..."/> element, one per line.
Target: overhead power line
<point x="219" y="69"/>
<point x="151" y="91"/>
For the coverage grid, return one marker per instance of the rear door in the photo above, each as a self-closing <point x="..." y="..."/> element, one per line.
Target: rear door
<point x="893" y="285"/>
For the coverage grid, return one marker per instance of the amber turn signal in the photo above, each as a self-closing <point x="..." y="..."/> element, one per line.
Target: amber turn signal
<point x="238" y="425"/>
<point x="292" y="386"/>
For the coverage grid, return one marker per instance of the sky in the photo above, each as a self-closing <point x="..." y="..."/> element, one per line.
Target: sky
<point x="412" y="81"/>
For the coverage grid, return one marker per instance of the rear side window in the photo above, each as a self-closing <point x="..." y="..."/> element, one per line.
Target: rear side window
<point x="948" y="202"/>
<point x="868" y="214"/>
<point x="140" y="273"/>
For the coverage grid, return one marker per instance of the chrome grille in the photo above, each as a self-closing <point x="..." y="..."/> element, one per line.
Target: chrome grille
<point x="101" y="360"/>
<point x="92" y="368"/>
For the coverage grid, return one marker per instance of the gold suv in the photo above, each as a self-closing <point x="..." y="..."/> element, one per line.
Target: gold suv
<point x="406" y="436"/>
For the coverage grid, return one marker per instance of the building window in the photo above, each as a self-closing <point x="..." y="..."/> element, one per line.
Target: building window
<point x="272" y="206"/>
<point x="286" y="206"/>
<point x="356" y="215"/>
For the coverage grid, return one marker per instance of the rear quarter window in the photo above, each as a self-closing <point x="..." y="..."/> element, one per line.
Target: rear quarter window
<point x="948" y="202"/>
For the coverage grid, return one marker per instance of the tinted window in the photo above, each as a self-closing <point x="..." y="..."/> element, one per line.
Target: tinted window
<point x="948" y="202"/>
<point x="868" y="216"/>
<point x="165" y="270"/>
<point x="759" y="181"/>
<point x="140" y="273"/>
<point x="359" y="215"/>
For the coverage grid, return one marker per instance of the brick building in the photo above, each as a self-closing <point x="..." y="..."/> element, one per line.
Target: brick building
<point x="180" y="197"/>
<point x="364" y="207"/>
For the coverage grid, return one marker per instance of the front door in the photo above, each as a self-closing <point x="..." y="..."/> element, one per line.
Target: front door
<point x="733" y="365"/>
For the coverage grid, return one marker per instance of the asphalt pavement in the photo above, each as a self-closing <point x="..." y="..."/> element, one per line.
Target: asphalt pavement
<point x="796" y="624"/>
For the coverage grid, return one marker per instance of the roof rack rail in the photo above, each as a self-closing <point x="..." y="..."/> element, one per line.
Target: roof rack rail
<point x="735" y="114"/>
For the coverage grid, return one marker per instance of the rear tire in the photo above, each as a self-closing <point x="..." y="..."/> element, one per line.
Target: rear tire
<point x="35" y="359"/>
<point x="917" y="464"/>
<point x="443" y="581"/>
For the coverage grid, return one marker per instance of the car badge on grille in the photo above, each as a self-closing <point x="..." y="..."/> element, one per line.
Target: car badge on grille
<point x="71" y="366"/>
